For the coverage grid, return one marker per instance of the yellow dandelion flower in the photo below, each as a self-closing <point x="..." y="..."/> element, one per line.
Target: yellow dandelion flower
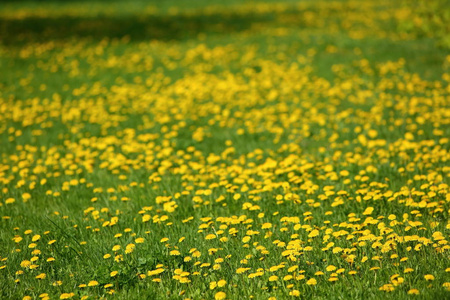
<point x="254" y="275"/>
<point x="155" y="272"/>
<point x="333" y="279"/>
<point x="26" y="197"/>
<point x="220" y="296"/>
<point x="221" y="283"/>
<point x="413" y="292"/>
<point x="292" y="269"/>
<point x="266" y="225"/>
<point x="93" y="283"/>
<point x="242" y="270"/>
<point x="331" y="268"/>
<point x="17" y="239"/>
<point x="313" y="233"/>
<point x="287" y="277"/>
<point x="387" y="288"/>
<point x="246" y="239"/>
<point x="300" y="277"/>
<point x="429" y="277"/>
<point x="368" y="211"/>
<point x="210" y="236"/>
<point x="273" y="278"/>
<point x="25" y="263"/>
<point x="66" y="295"/>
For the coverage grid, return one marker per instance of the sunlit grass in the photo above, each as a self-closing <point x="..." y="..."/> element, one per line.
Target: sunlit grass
<point x="257" y="150"/>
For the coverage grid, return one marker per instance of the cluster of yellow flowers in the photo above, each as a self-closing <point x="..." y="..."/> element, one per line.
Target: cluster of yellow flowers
<point x="210" y="167"/>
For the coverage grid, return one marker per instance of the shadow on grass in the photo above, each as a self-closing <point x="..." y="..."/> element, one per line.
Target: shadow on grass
<point x="137" y="27"/>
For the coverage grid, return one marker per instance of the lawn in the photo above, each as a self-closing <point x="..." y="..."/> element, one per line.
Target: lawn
<point x="225" y="149"/>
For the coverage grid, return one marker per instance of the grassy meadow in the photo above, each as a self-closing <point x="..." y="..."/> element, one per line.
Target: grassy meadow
<point x="225" y="149"/>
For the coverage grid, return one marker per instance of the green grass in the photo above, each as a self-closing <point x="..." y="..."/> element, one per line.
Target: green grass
<point x="281" y="137"/>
